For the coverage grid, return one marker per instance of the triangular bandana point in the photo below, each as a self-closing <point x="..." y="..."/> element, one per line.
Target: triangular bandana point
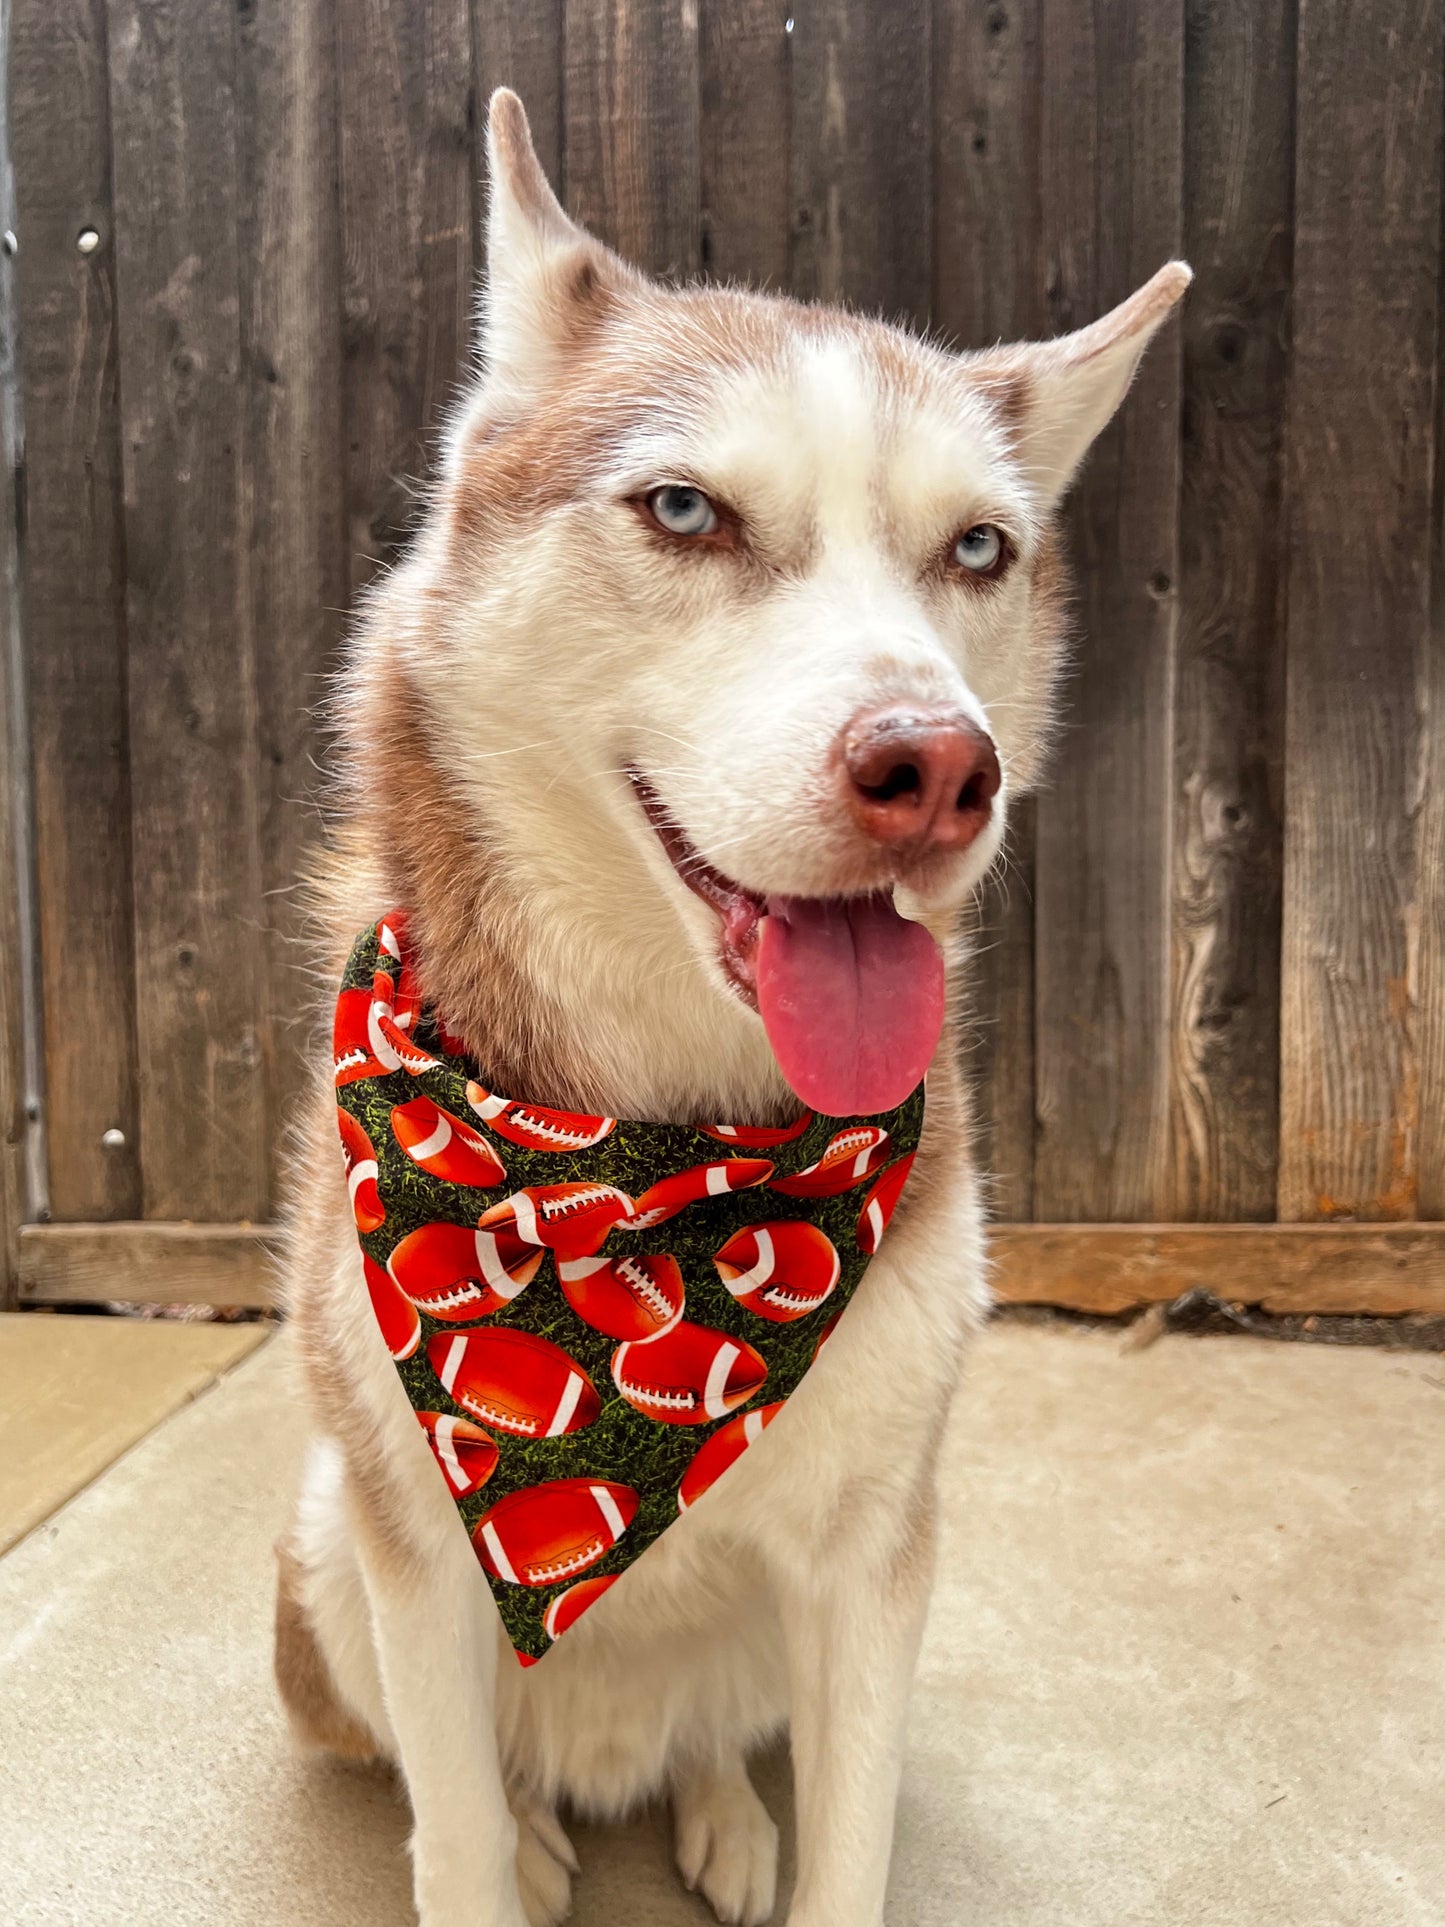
<point x="593" y="1319"/>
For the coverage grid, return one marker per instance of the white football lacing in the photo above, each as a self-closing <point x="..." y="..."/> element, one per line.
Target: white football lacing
<point x="669" y="1401"/>
<point x="505" y="1421"/>
<point x="563" y="1568"/>
<point x="458" y="1294"/>
<point x="566" y="1207"/>
<point x="654" y="1299"/>
<point x="791" y="1300"/>
<point x="568" y="1140"/>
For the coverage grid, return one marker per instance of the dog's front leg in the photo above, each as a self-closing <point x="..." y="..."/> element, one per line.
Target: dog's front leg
<point x="853" y="1624"/>
<point x="437" y="1651"/>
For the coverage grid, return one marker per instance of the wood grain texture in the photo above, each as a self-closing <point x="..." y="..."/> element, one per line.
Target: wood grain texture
<point x="1346" y="1270"/>
<point x="518" y="44"/>
<point x="1430" y="858"/>
<point x="1360" y="451"/>
<point x="74" y="592"/>
<point x="987" y="287"/>
<point x="407" y="160"/>
<point x="861" y="158"/>
<point x="1229" y="693"/>
<point x="198" y="962"/>
<point x="139" y="1263"/>
<point x="631" y="167"/>
<point x="1111" y="196"/>
<point x="1363" y="1270"/>
<point x="293" y="505"/>
<point x="16" y="833"/>
<point x="745" y="138"/>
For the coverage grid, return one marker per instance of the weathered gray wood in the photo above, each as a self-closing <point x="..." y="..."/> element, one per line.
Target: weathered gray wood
<point x="861" y="155"/>
<point x="1430" y="856"/>
<point x="294" y="508"/>
<point x="988" y="285"/>
<point x="405" y="109"/>
<point x="518" y="44"/>
<point x="631" y="131"/>
<point x="198" y="953"/>
<point x="75" y="594"/>
<point x="18" y="1040"/>
<point x="745" y="141"/>
<point x="1361" y="427"/>
<point x="147" y="1264"/>
<point x="1229" y="694"/>
<point x="1367" y="1271"/>
<point x="1110" y="184"/>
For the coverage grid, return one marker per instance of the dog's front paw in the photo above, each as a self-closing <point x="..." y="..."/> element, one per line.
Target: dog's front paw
<point x="546" y="1862"/>
<point x="727" y="1845"/>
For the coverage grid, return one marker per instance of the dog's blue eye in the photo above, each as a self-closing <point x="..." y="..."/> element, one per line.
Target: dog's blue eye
<point x="979" y="548"/>
<point x="682" y="510"/>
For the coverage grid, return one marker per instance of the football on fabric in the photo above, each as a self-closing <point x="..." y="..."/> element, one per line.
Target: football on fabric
<point x="544" y="1534"/>
<point x="752" y="1137"/>
<point x="359" y="1157"/>
<point x="634" y="1298"/>
<point x="568" y="1607"/>
<point x="441" y="1144"/>
<point x="880" y="1203"/>
<point x="535" y="1126"/>
<point x="396" y="1315"/>
<point x="571" y="1219"/>
<point x="455" y="1273"/>
<point x="851" y="1156"/>
<point x="465" y="1453"/>
<point x="514" y="1381"/>
<point x="782" y="1270"/>
<point x="689" y="1375"/>
<point x="671" y="1194"/>
<point x="353" y="1054"/>
<point x="724" y="1448"/>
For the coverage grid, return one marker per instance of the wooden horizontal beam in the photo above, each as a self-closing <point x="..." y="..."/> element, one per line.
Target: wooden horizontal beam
<point x="1363" y="1270"/>
<point x="147" y="1264"/>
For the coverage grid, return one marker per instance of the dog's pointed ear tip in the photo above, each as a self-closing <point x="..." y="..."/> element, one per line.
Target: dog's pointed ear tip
<point x="507" y="120"/>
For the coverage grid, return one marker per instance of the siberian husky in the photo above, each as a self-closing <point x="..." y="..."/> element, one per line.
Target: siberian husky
<point x="726" y="611"/>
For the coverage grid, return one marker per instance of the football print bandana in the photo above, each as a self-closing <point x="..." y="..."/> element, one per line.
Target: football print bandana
<point x="592" y="1319"/>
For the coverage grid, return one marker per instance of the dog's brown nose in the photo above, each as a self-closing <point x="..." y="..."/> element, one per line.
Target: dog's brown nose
<point x="920" y="776"/>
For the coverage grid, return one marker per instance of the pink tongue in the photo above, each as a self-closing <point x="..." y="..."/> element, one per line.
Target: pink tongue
<point x="851" y="995"/>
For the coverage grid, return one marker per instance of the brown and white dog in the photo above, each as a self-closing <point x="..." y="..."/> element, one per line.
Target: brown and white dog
<point x="725" y="608"/>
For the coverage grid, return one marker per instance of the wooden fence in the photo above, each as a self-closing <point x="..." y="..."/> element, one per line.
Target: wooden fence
<point x="248" y="234"/>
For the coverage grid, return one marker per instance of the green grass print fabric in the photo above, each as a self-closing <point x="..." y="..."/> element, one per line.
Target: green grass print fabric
<point x="620" y="1373"/>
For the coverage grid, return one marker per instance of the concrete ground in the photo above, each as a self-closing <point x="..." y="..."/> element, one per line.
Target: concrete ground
<point x="1185" y="1667"/>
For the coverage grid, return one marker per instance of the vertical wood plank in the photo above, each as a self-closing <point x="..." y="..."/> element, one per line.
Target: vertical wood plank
<point x="861" y="155"/>
<point x="74" y="590"/>
<point x="988" y="286"/>
<point x="631" y="138"/>
<point x="406" y="113"/>
<point x="16" y="826"/>
<point x="745" y="114"/>
<point x="1430" y="861"/>
<point x="1228" y="746"/>
<point x="294" y="507"/>
<point x="1361" y="426"/>
<point x="518" y="44"/>
<point x="198" y="954"/>
<point x="1111" y="191"/>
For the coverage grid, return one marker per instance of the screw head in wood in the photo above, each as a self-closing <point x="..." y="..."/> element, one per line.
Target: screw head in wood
<point x="113" y="1140"/>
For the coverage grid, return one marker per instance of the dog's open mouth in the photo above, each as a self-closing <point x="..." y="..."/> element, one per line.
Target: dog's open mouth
<point x="849" y="991"/>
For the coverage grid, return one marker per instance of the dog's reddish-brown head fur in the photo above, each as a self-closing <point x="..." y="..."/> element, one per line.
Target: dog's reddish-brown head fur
<point x="680" y="539"/>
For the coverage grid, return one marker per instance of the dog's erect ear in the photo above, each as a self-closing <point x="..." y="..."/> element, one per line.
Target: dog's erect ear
<point x="547" y="280"/>
<point x="1074" y="384"/>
